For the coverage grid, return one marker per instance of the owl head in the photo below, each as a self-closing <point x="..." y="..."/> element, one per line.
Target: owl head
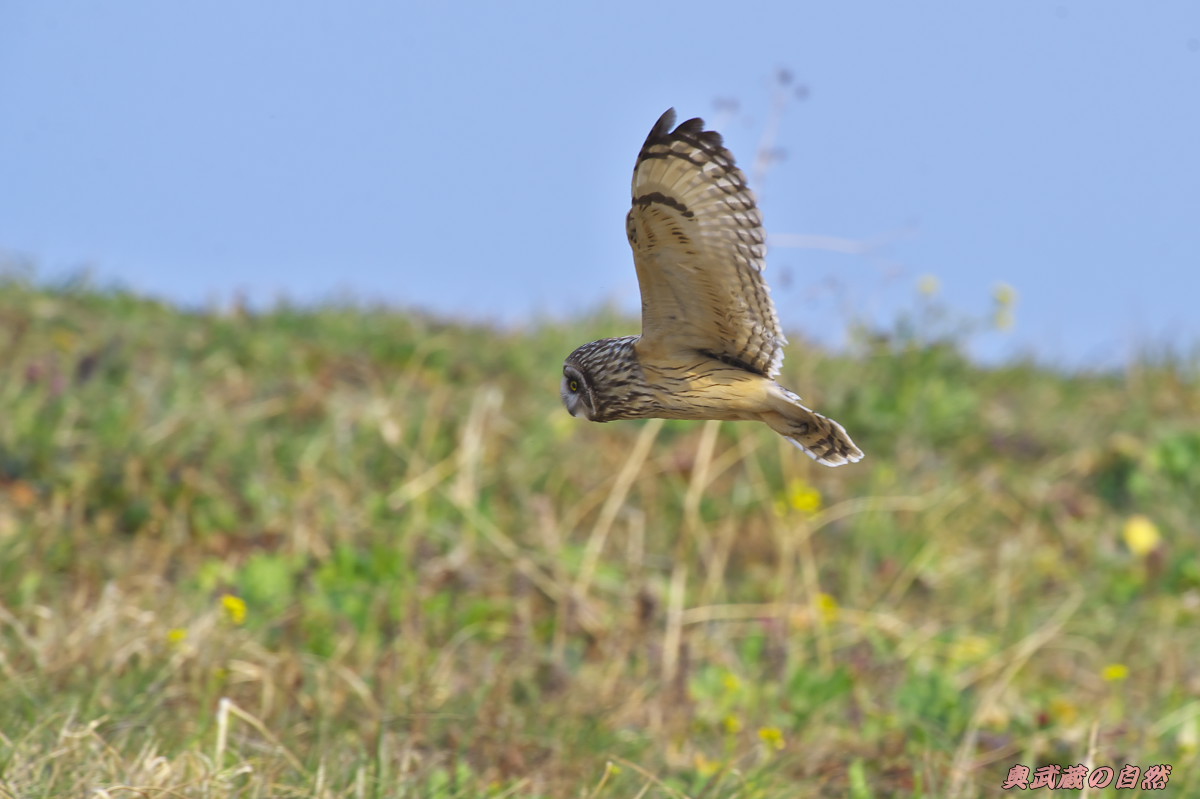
<point x="577" y="392"/>
<point x="597" y="378"/>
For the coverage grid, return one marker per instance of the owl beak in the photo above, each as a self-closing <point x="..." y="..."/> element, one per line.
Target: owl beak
<point x="576" y="406"/>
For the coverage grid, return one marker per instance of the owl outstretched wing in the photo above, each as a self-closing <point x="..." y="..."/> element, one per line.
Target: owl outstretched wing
<point x="699" y="248"/>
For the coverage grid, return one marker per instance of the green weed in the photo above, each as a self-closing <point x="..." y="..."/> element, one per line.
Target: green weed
<point x="354" y="552"/>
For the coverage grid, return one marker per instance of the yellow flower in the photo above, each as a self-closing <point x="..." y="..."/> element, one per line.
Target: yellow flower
<point x="731" y="683"/>
<point x="827" y="606"/>
<point x="803" y="497"/>
<point x="970" y="648"/>
<point x="1006" y="299"/>
<point x="732" y="724"/>
<point x="234" y="608"/>
<point x="1141" y="535"/>
<point x="176" y="635"/>
<point x="1115" y="672"/>
<point x="1063" y="712"/>
<point x="771" y="736"/>
<point x="706" y="767"/>
<point x="929" y="285"/>
<point x="1004" y="295"/>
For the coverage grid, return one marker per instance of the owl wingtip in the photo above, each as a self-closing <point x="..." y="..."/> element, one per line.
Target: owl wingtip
<point x="691" y="130"/>
<point x="832" y="459"/>
<point x="665" y="123"/>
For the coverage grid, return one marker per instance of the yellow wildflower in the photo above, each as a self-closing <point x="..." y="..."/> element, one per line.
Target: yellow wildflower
<point x="234" y="608"/>
<point x="1006" y="299"/>
<point x="929" y="285"/>
<point x="969" y="649"/>
<point x="176" y="635"/>
<point x="827" y="606"/>
<point x="1115" y="672"/>
<point x="803" y="497"/>
<point x="731" y="683"/>
<point x="706" y="767"/>
<point x="732" y="724"/>
<point x="771" y="736"/>
<point x="1063" y="712"/>
<point x="1004" y="295"/>
<point x="1141" y="535"/>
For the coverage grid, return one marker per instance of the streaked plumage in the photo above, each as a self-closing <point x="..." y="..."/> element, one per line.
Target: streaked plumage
<point x="711" y="344"/>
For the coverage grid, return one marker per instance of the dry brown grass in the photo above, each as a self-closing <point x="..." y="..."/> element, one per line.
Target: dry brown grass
<point x="349" y="553"/>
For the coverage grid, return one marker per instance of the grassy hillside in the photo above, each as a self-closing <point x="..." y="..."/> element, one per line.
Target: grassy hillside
<point x="359" y="553"/>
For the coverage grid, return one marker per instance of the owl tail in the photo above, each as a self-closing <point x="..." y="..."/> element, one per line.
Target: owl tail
<point x="821" y="438"/>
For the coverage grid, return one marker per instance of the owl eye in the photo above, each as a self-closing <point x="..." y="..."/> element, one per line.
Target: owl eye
<point x="573" y="385"/>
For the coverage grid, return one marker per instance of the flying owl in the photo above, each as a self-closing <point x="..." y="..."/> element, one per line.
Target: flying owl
<point x="711" y="344"/>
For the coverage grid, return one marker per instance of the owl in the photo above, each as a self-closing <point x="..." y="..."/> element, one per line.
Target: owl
<point x="711" y="345"/>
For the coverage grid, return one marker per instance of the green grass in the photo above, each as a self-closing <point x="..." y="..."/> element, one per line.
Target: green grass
<point x="352" y="552"/>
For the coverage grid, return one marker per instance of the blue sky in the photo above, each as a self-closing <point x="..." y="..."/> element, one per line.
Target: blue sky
<point x="475" y="158"/>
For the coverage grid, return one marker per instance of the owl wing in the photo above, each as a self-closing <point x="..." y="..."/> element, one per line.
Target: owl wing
<point x="699" y="249"/>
